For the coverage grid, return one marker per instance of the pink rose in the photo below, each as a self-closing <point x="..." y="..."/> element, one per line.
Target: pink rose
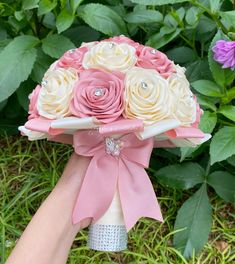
<point x="33" y="97"/>
<point x="123" y="39"/>
<point x="150" y="58"/>
<point x="99" y="94"/>
<point x="72" y="58"/>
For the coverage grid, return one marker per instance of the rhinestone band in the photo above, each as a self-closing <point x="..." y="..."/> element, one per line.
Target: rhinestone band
<point x="107" y="237"/>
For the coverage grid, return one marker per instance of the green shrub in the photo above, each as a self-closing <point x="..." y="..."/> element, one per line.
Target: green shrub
<point x="34" y="33"/>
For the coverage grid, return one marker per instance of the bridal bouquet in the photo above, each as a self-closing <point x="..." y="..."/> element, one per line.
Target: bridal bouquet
<point x="115" y="100"/>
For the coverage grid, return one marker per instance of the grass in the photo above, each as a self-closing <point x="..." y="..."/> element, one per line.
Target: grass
<point x="28" y="172"/>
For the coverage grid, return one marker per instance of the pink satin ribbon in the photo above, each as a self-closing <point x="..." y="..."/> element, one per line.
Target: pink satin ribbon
<point x="107" y="173"/>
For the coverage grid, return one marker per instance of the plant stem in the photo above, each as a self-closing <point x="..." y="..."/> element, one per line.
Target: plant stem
<point x="213" y="16"/>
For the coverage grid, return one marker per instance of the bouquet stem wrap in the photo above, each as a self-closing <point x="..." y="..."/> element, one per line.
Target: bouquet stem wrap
<point x="117" y="165"/>
<point x="109" y="232"/>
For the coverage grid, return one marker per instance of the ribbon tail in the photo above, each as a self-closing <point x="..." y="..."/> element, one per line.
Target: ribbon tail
<point x="137" y="196"/>
<point x="98" y="188"/>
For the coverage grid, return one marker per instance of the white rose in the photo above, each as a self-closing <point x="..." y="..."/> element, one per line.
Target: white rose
<point x="147" y="96"/>
<point x="183" y="102"/>
<point x="56" y="93"/>
<point x="110" y="56"/>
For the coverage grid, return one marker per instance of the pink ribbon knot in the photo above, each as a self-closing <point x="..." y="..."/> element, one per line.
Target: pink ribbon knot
<point x="115" y="165"/>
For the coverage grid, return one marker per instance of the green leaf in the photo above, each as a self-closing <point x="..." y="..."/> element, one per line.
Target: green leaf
<point x="49" y="20"/>
<point x="29" y="4"/>
<point x="224" y="185"/>
<point x="158" y="2"/>
<point x="159" y="40"/>
<point x="45" y="6"/>
<point x="222" y="144"/>
<point x="23" y="93"/>
<point x="194" y="217"/>
<point x="16" y="63"/>
<point x="75" y="4"/>
<point x="41" y="65"/>
<point x="10" y="126"/>
<point x="4" y="43"/>
<point x="229" y="17"/>
<point x="183" y="176"/>
<point x="103" y="19"/>
<point x="81" y="34"/>
<point x="5" y="10"/>
<point x="222" y="76"/>
<point x="231" y="160"/>
<point x="56" y="45"/>
<point x="208" y="122"/>
<point x="215" y="5"/>
<point x="64" y="20"/>
<point x="205" y="29"/>
<point x="3" y="104"/>
<point x="144" y="16"/>
<point x="192" y="16"/>
<point x="198" y="70"/>
<point x="13" y="108"/>
<point x="207" y="88"/>
<point x="181" y="54"/>
<point x="228" y="111"/>
<point x="204" y="101"/>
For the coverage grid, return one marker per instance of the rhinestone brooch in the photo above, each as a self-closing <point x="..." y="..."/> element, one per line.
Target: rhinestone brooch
<point x="113" y="146"/>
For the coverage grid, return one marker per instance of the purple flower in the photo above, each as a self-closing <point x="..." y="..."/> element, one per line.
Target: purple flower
<point x="224" y="53"/>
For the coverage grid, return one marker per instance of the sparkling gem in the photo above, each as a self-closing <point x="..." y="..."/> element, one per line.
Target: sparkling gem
<point x="98" y="92"/>
<point x="144" y="85"/>
<point x="111" y="45"/>
<point x="153" y="51"/>
<point x="44" y="82"/>
<point x="72" y="51"/>
<point x="113" y="146"/>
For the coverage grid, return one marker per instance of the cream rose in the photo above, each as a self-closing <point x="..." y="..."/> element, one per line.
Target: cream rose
<point x="147" y="96"/>
<point x="56" y="93"/>
<point x="110" y="56"/>
<point x="184" y="106"/>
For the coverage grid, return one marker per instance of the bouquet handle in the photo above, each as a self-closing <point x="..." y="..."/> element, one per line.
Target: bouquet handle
<point x="109" y="232"/>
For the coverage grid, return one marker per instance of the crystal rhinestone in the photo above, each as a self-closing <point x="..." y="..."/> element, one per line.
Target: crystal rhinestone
<point x="144" y="85"/>
<point x="44" y="82"/>
<point x="111" y="45"/>
<point x="72" y="51"/>
<point x="153" y="51"/>
<point x="113" y="146"/>
<point x="98" y="92"/>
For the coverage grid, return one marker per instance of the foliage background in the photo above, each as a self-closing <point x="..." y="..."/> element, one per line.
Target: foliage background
<point x="34" y="33"/>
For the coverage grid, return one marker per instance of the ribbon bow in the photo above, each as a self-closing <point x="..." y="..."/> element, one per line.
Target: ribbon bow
<point x="116" y="164"/>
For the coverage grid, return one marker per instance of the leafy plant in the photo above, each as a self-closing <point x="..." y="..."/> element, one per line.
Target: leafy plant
<point x="34" y="33"/>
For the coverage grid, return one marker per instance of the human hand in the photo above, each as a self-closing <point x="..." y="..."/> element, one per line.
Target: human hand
<point x="48" y="237"/>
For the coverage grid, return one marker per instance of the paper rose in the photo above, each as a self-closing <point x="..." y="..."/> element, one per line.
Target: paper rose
<point x="99" y="94"/>
<point x="56" y="93"/>
<point x="123" y="39"/>
<point x="153" y="59"/>
<point x="110" y="56"/>
<point x="72" y="59"/>
<point x="184" y="106"/>
<point x="224" y="53"/>
<point x="147" y="96"/>
<point x="33" y="97"/>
